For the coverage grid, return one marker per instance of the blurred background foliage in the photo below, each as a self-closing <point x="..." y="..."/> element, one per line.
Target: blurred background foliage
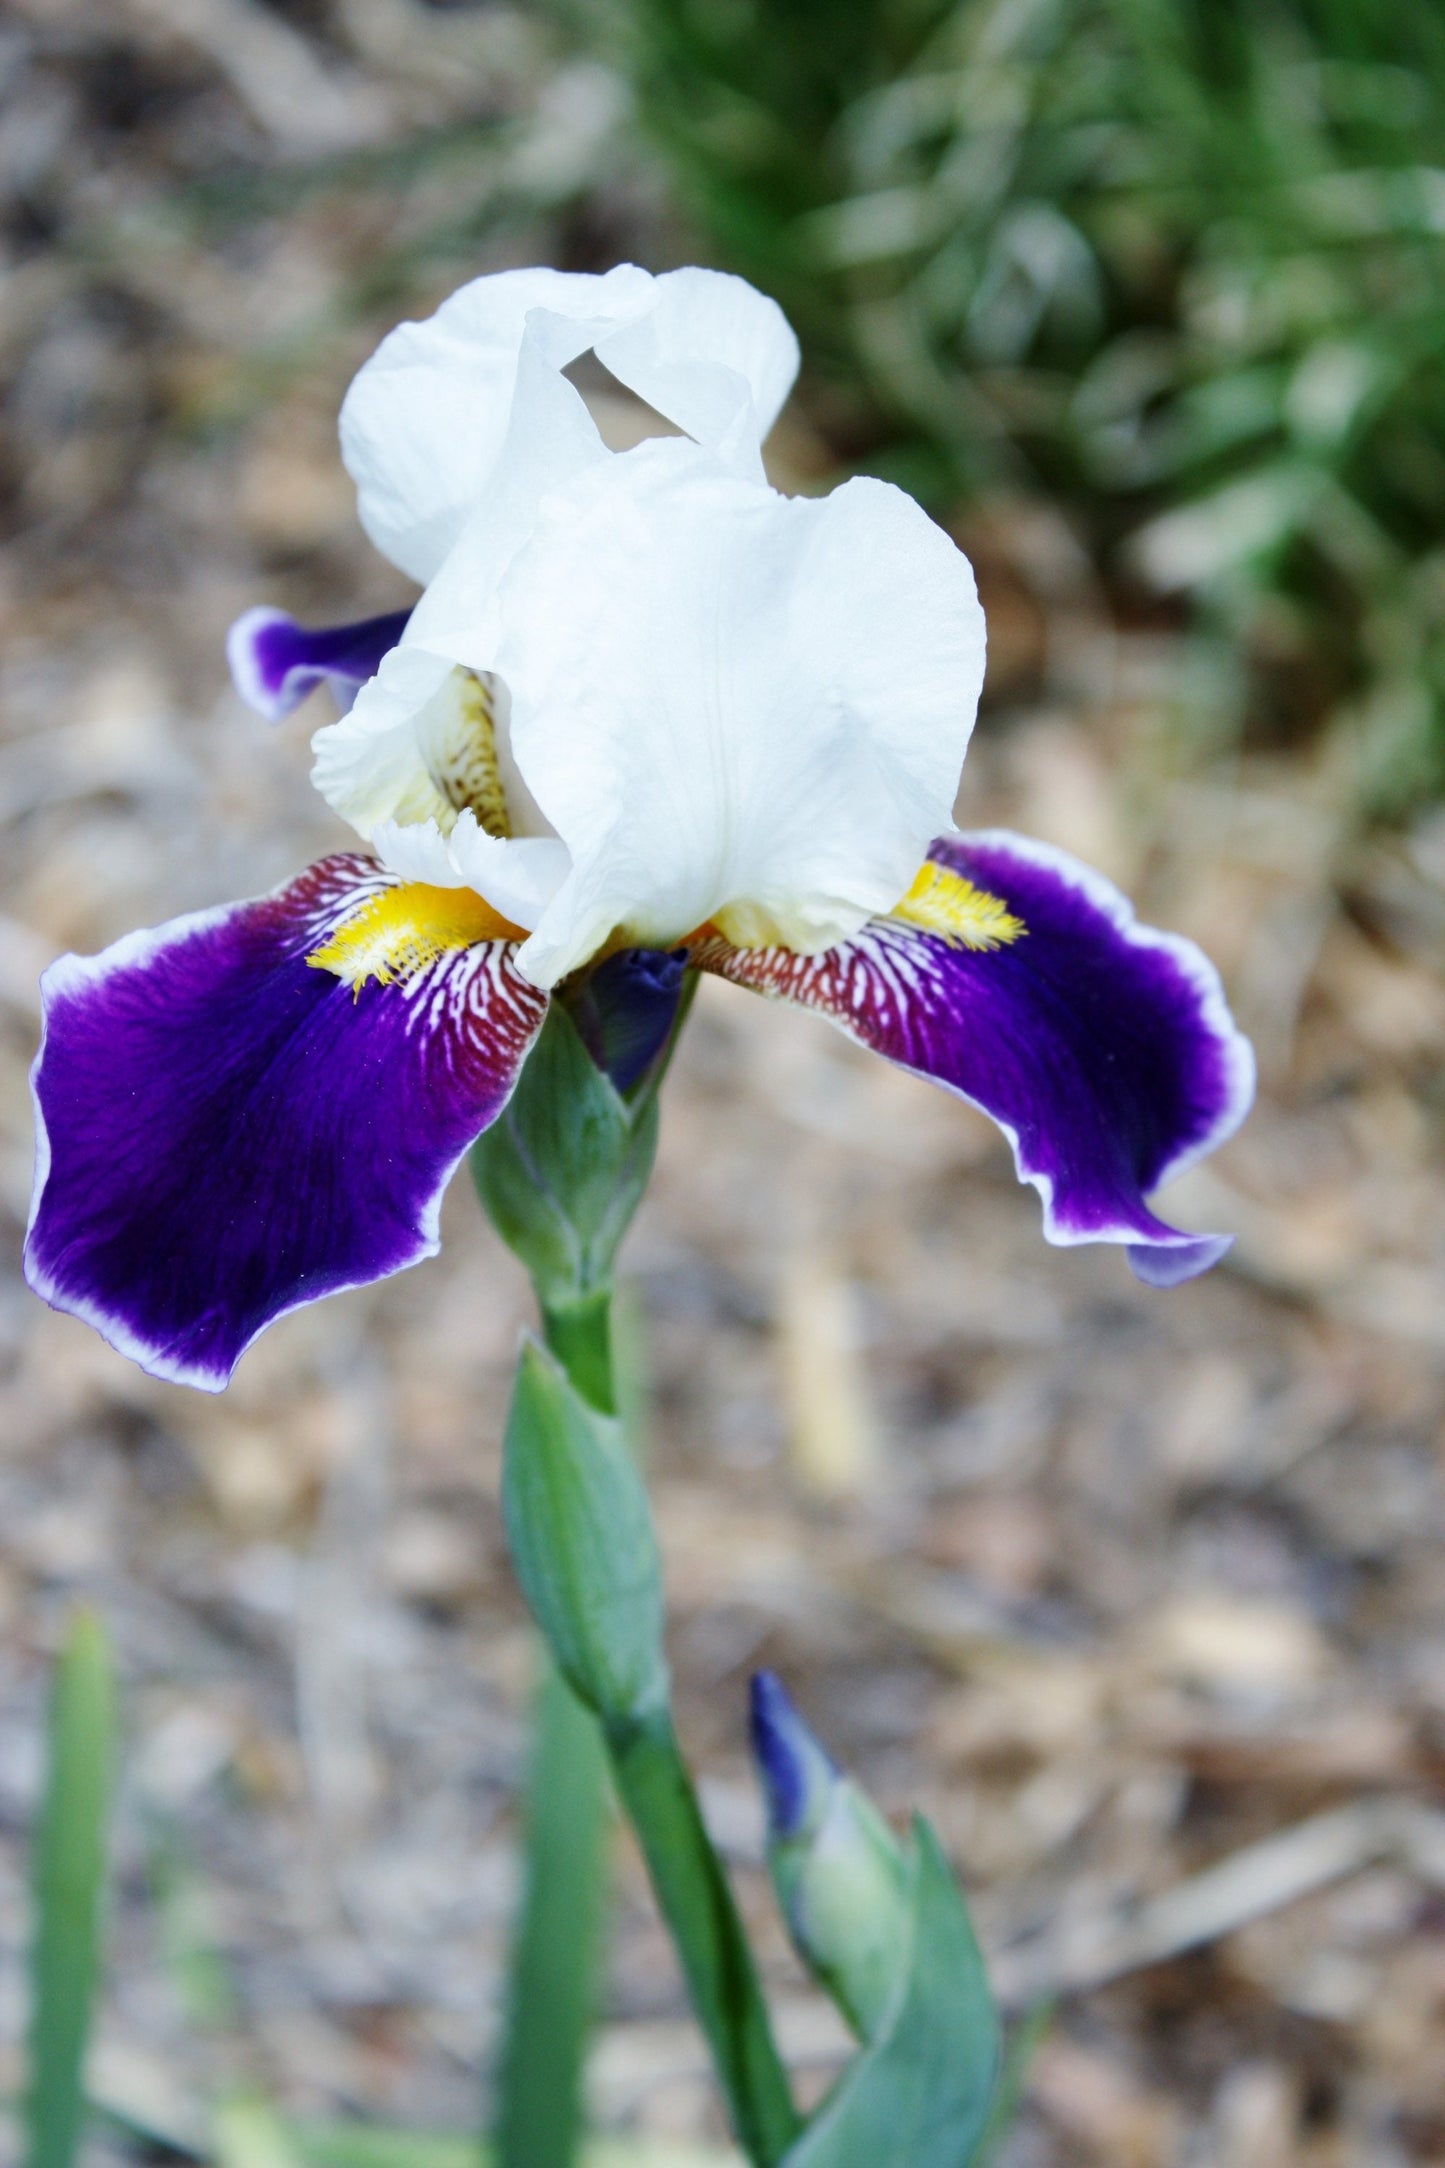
<point x="1170" y="266"/>
<point x="1173" y="262"/>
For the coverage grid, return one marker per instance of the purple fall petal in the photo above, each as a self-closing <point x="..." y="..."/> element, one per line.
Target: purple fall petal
<point x="225" y="1132"/>
<point x="275" y="662"/>
<point x="1102" y="1048"/>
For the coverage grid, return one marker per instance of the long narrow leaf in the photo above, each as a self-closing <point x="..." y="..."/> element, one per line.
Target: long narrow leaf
<point x="554" y="1956"/>
<point x="69" y="1878"/>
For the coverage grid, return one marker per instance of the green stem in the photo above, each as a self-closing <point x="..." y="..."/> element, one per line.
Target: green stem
<point x="687" y="1879"/>
<point x="579" y="1334"/>
<point x="698" y="1906"/>
<point x="557" y="1943"/>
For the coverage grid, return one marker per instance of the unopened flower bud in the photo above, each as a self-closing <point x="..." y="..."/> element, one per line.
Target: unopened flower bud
<point x="839" y="1873"/>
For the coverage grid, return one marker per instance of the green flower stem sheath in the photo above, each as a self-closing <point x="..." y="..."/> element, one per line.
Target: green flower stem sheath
<point x="585" y="1550"/>
<point x="698" y="1906"/>
<point x="561" y="1173"/>
<point x="557" y="1944"/>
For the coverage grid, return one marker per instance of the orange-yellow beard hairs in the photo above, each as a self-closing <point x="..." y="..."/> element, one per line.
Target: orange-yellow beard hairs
<point x="398" y="933"/>
<point x="946" y="903"/>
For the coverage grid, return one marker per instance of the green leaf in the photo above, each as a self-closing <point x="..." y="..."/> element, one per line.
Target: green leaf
<point x="69" y="1877"/>
<point x="558" y="1937"/>
<point x="1028" y="2036"/>
<point x="921" y="2091"/>
<point x="562" y="1171"/>
<point x="360" y="2145"/>
<point x="582" y="1542"/>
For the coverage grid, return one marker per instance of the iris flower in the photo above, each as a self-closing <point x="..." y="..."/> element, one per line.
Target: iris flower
<point x="648" y="715"/>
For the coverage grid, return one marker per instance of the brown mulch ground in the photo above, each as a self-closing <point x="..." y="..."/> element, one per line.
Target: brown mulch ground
<point x="1140" y="1596"/>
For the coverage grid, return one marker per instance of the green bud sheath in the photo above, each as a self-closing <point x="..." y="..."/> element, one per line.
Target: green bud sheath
<point x="845" y="1897"/>
<point x="562" y="1171"/>
<point x="840" y="1875"/>
<point x="582" y="1540"/>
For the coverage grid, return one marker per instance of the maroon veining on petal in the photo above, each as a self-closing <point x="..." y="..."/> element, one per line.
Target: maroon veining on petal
<point x="1103" y="1048"/>
<point x="226" y="1132"/>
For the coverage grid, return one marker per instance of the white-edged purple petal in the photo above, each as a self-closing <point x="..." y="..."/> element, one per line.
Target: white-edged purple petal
<point x="1102" y="1048"/>
<point x="275" y="662"/>
<point x="225" y="1132"/>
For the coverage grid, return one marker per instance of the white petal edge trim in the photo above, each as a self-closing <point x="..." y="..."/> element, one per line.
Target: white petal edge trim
<point x="71" y="973"/>
<point x="1202" y="975"/>
<point x="241" y="660"/>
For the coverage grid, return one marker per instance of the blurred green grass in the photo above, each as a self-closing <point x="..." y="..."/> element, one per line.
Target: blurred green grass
<point x="1174" y="263"/>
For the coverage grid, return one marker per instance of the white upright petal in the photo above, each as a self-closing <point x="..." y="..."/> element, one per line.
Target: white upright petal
<point x="684" y="698"/>
<point x="712" y="354"/>
<point x="731" y="705"/>
<point x="426" y="419"/>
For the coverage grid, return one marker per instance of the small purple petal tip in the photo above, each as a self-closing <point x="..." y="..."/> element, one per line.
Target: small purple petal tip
<point x="275" y="662"/>
<point x="796" y="1772"/>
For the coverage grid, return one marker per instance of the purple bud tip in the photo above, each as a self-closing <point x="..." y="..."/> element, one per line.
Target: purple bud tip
<point x="625" y="1011"/>
<point x="796" y="1772"/>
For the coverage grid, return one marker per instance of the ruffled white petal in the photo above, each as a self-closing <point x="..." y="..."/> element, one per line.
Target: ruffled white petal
<point x="712" y="354"/>
<point x="425" y="421"/>
<point x="370" y="766"/>
<point x="518" y="875"/>
<point x="731" y="705"/>
<point x="417" y="852"/>
<point x="725" y="705"/>
<point x="425" y="418"/>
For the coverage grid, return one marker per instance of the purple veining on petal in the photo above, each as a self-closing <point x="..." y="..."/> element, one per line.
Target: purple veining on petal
<point x="225" y="1132"/>
<point x="275" y="662"/>
<point x="1102" y="1048"/>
